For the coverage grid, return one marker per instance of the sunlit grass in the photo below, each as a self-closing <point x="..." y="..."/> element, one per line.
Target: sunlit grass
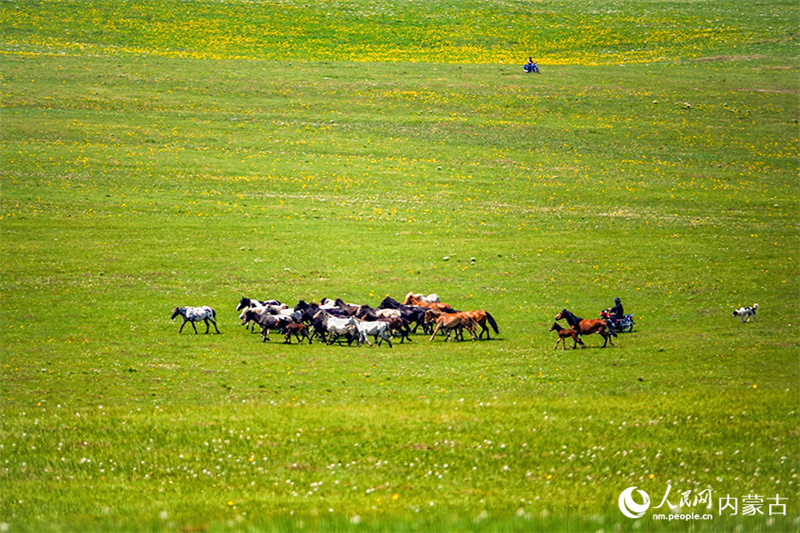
<point x="585" y="33"/>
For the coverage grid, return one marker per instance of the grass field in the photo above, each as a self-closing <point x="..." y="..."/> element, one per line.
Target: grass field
<point x="160" y="154"/>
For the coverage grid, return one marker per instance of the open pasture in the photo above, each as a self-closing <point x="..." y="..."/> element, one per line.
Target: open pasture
<point x="156" y="155"/>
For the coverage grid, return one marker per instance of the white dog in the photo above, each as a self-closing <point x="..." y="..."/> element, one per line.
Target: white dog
<point x="746" y="312"/>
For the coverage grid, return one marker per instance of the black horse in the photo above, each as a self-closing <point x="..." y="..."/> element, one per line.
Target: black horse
<point x="244" y="303"/>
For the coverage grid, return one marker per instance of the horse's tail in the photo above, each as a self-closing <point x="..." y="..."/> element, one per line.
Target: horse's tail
<point x="490" y="318"/>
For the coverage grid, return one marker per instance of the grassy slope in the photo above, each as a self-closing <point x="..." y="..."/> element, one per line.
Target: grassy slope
<point x="136" y="182"/>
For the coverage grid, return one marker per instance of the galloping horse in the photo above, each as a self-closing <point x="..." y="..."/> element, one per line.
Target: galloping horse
<point x="439" y="306"/>
<point x="482" y="317"/>
<point x="563" y="333"/>
<point x="265" y="321"/>
<point x="431" y="298"/>
<point x="479" y="317"/>
<point x="454" y="321"/>
<point x="300" y="331"/>
<point x="336" y="327"/>
<point x="196" y="314"/>
<point x="251" y="302"/>
<point x="588" y="326"/>
<point x="413" y="313"/>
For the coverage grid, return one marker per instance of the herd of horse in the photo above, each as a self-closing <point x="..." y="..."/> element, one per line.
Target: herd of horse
<point x="332" y="321"/>
<point x="337" y="321"/>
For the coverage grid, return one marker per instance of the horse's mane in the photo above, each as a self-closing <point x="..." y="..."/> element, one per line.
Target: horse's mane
<point x="572" y="319"/>
<point x="390" y="303"/>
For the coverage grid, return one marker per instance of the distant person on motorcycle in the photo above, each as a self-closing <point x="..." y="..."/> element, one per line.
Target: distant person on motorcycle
<point x="530" y="66"/>
<point x="616" y="311"/>
<point x="613" y="315"/>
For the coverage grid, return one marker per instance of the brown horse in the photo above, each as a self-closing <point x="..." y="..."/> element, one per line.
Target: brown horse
<point x="397" y="326"/>
<point x="449" y="322"/>
<point x="481" y="318"/>
<point x="300" y="331"/>
<point x="563" y="334"/>
<point x="588" y="326"/>
<point x="439" y="306"/>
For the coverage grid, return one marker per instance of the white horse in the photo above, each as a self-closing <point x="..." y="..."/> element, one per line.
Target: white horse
<point x="377" y="329"/>
<point x="251" y="302"/>
<point x="196" y="314"/>
<point x="288" y="312"/>
<point x="388" y="313"/>
<point x="338" y="326"/>
<point x="326" y="304"/>
<point x="429" y="299"/>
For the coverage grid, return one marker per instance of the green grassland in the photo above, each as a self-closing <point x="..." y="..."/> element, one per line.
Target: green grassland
<point x="160" y="154"/>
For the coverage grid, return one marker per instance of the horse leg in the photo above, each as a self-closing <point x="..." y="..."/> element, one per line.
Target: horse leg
<point x="207" y="328"/>
<point x="181" y="330"/>
<point x="556" y="346"/>
<point x="215" y="324"/>
<point x="364" y="338"/>
<point x="606" y="338"/>
<point x="195" y="327"/>
<point x="435" y="331"/>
